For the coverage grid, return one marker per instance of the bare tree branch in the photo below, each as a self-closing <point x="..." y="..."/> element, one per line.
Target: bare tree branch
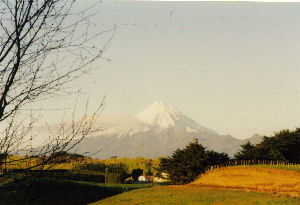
<point x="42" y="48"/>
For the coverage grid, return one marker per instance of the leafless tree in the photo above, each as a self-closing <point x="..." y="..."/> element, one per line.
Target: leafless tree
<point x="44" y="44"/>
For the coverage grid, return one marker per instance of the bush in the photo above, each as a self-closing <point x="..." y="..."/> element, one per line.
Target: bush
<point x="69" y="175"/>
<point x="100" y="167"/>
<point x="136" y="173"/>
<point x="186" y="164"/>
<point x="112" y="178"/>
<point x="116" y="173"/>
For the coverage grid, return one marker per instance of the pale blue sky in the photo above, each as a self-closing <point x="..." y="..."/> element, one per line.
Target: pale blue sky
<point x="232" y="67"/>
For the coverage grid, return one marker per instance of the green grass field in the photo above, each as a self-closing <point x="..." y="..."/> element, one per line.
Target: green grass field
<point x="17" y="189"/>
<point x="192" y="195"/>
<point x="48" y="191"/>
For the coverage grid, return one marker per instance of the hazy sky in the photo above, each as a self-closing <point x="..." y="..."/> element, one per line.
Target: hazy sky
<point x="232" y="67"/>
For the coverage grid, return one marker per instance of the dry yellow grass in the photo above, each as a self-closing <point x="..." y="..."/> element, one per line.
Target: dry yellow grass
<point x="21" y="162"/>
<point x="188" y="195"/>
<point x="284" y="182"/>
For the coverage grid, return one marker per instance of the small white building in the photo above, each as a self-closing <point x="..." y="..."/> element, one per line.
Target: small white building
<point x="144" y="178"/>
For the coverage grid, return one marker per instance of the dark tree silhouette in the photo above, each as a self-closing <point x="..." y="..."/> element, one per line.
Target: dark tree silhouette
<point x="186" y="164"/>
<point x="136" y="173"/>
<point x="247" y="152"/>
<point x="282" y="146"/>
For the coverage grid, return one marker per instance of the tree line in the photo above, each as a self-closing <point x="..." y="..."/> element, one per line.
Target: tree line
<point x="283" y="146"/>
<point x="184" y="165"/>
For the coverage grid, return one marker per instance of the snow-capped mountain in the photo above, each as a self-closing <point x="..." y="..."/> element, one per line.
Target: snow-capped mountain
<point x="156" y="131"/>
<point x="164" y="116"/>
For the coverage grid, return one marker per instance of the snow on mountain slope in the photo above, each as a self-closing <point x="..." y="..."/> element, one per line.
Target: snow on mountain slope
<point x="165" y="116"/>
<point x="121" y="124"/>
<point x="156" y="131"/>
<point x="159" y="114"/>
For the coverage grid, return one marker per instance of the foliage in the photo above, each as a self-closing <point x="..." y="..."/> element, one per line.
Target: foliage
<point x="115" y="173"/>
<point x="69" y="175"/>
<point x="186" y="164"/>
<point x="135" y="163"/>
<point x="102" y="167"/>
<point x="117" y="168"/>
<point x="282" y="146"/>
<point x="136" y="173"/>
<point x="247" y="152"/>
<point x="112" y="178"/>
<point x="80" y="177"/>
<point x="65" y="157"/>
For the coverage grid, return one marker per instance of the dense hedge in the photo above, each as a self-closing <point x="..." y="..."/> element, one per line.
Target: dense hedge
<point x="112" y="178"/>
<point x="92" y="167"/>
<point x="102" y="167"/>
<point x="115" y="173"/>
<point x="76" y="175"/>
<point x="67" y="175"/>
<point x="39" y="171"/>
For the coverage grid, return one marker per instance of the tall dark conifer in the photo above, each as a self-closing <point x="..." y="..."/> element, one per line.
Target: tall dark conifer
<point x="186" y="164"/>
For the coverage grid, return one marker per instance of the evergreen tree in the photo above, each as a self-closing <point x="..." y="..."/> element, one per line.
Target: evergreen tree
<point x="186" y="164"/>
<point x="282" y="146"/>
<point x="247" y="152"/>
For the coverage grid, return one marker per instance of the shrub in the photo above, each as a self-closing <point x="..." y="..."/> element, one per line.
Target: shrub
<point x="100" y="167"/>
<point x="186" y="164"/>
<point x="69" y="175"/>
<point x="136" y="173"/>
<point x="112" y="178"/>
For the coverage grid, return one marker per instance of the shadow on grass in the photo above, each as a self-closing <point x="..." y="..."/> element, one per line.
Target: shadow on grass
<point x="51" y="191"/>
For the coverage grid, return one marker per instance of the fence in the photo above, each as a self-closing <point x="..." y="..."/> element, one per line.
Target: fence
<point x="257" y="162"/>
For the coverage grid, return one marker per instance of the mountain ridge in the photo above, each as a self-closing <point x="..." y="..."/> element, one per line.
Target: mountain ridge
<point x="156" y="131"/>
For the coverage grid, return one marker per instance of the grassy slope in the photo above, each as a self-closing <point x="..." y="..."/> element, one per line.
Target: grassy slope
<point x="285" y="167"/>
<point x="50" y="191"/>
<point x="193" y="195"/>
<point x="253" y="178"/>
<point x="206" y="190"/>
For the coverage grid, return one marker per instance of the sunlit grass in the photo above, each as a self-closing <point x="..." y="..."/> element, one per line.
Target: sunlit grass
<point x="253" y="178"/>
<point x="295" y="167"/>
<point x="193" y="195"/>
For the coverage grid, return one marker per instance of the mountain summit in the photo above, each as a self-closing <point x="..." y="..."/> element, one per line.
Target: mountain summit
<point x="156" y="131"/>
<point x="164" y="116"/>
